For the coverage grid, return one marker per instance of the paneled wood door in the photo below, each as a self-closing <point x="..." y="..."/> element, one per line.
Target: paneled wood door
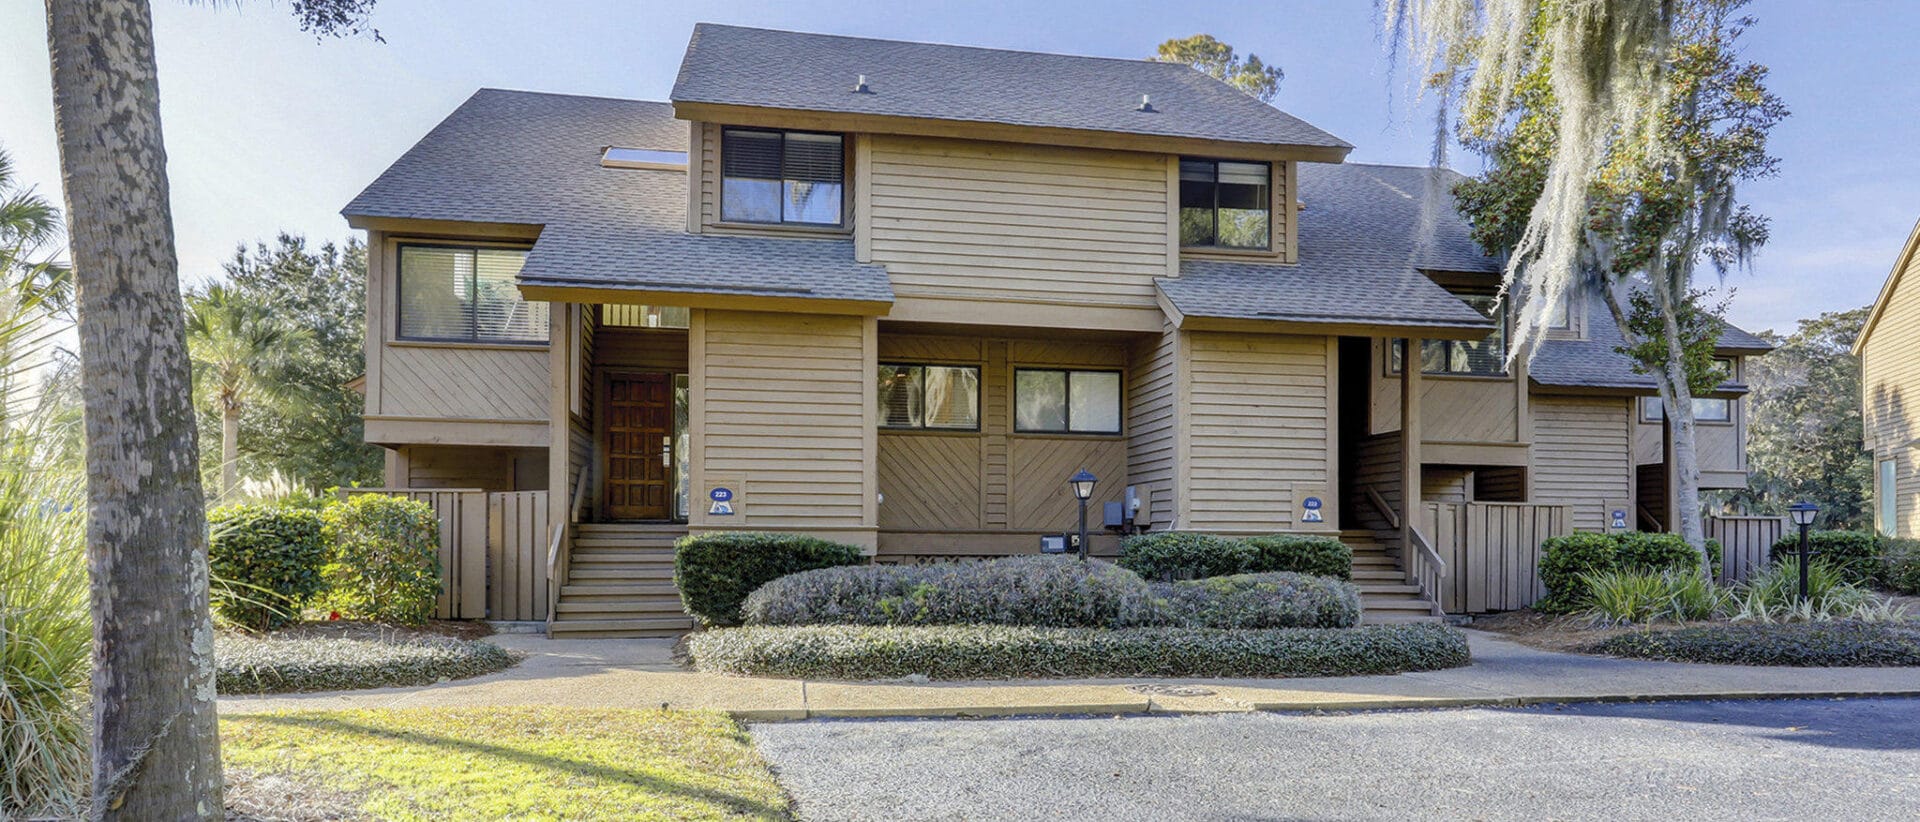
<point x="638" y="439"/>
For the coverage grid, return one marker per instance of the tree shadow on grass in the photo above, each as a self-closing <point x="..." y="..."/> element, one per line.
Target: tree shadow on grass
<point x="649" y="782"/>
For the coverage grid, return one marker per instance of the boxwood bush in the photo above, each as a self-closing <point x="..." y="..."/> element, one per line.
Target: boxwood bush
<point x="384" y="558"/>
<point x="1566" y="561"/>
<point x="1823" y="644"/>
<point x="1856" y="554"/>
<point x="1026" y="590"/>
<point x="1014" y="652"/>
<point x="266" y="561"/>
<point x="1275" y="600"/>
<point x="715" y="572"/>
<point x="1173" y="554"/>
<point x="1301" y="554"/>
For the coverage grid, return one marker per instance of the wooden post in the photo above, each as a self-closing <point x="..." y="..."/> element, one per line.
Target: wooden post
<point x="1409" y="440"/>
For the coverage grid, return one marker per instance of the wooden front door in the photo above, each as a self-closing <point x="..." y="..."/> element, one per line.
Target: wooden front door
<point x="639" y="445"/>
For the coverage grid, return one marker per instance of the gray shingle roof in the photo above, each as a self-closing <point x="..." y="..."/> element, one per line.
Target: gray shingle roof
<point x="730" y="65"/>
<point x="1361" y="254"/>
<point x="528" y="158"/>
<point x="1594" y="362"/>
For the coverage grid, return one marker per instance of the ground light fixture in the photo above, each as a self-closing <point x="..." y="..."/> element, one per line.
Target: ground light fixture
<point x="1803" y="514"/>
<point x="1082" y="485"/>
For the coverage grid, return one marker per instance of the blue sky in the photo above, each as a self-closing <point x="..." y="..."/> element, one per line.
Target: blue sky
<point x="268" y="130"/>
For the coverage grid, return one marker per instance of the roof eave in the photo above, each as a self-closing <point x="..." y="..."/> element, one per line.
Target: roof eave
<point x="1886" y="288"/>
<point x="698" y="297"/>
<point x="813" y="119"/>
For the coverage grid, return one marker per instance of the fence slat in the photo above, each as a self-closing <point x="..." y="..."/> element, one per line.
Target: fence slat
<point x="1745" y="543"/>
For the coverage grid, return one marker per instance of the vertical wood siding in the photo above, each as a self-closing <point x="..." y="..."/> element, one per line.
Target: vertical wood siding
<point x="783" y="407"/>
<point x="1000" y="221"/>
<point x="517" y="534"/>
<point x="1745" y="544"/>
<point x="1152" y="424"/>
<point x="1258" y="428"/>
<point x="1492" y="552"/>
<point x="1582" y="456"/>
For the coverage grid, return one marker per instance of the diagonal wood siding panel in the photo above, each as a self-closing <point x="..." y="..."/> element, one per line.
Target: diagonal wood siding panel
<point x="464" y="383"/>
<point x="931" y="481"/>
<point x="1041" y="500"/>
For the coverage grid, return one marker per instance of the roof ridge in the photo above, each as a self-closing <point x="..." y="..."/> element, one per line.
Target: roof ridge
<point x="530" y="92"/>
<point x="1146" y="60"/>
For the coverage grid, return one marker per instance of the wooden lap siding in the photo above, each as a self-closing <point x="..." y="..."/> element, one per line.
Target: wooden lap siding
<point x="1019" y="223"/>
<point x="782" y="406"/>
<point x="1890" y="380"/>
<point x="1153" y="413"/>
<point x="1582" y="456"/>
<point x="1258" y="430"/>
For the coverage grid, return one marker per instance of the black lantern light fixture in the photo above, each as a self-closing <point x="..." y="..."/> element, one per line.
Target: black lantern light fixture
<point x="1082" y="485"/>
<point x="1803" y="514"/>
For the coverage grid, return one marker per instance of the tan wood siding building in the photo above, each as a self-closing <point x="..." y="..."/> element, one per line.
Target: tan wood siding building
<point x="1259" y="410"/>
<point x="1889" y="352"/>
<point x="1582" y="456"/>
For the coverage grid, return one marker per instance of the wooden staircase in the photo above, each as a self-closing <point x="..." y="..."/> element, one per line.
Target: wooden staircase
<point x="620" y="584"/>
<point x="1385" y="595"/>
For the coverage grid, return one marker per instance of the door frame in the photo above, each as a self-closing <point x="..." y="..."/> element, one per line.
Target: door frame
<point x="602" y="443"/>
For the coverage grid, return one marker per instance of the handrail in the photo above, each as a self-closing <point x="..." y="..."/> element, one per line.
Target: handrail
<point x="1645" y="515"/>
<point x="1425" y="569"/>
<point x="1380" y="505"/>
<point x="560" y="537"/>
<point x="1426" y="552"/>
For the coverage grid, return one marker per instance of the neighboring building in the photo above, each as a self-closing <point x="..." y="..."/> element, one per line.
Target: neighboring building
<point x="1889" y="352"/>
<point x="895" y="294"/>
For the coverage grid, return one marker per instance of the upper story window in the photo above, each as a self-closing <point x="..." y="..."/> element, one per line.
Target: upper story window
<point x="1485" y="357"/>
<point x="1705" y="409"/>
<point x="1057" y="401"/>
<point x="466" y="294"/>
<point x="1226" y="204"/>
<point x="796" y="177"/>
<point x="945" y="397"/>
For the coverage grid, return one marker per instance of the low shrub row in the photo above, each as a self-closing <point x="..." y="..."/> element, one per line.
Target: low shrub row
<point x="1010" y="652"/>
<point x="1813" y="644"/>
<point x="1566" y="561"/>
<point x="715" y="572"/>
<point x="1186" y="554"/>
<point x="1048" y="591"/>
<point x="368" y="557"/>
<point x="267" y="665"/>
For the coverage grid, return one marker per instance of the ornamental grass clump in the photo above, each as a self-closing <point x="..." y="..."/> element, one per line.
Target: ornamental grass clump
<point x="46" y="637"/>
<point x="1645" y="597"/>
<point x="1856" y="555"/>
<point x="383" y="563"/>
<point x="1773" y="596"/>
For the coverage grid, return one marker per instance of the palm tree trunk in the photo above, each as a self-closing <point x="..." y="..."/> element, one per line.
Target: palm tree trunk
<point x="229" y="450"/>
<point x="155" y="741"/>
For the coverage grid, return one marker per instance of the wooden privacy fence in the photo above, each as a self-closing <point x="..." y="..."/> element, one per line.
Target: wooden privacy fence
<point x="1744" y="543"/>
<point x="1492" y="551"/>
<point x="492" y="550"/>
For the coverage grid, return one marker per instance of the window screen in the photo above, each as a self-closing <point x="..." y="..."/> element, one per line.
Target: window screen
<point x="1066" y="402"/>
<point x="466" y="295"/>
<point x="781" y="177"/>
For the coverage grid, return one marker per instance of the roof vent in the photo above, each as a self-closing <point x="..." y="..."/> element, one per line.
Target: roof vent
<point x="1146" y="104"/>
<point x="860" y="85"/>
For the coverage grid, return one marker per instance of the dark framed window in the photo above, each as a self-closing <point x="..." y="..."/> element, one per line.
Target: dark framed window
<point x="466" y="294"/>
<point x="1062" y="401"/>
<point x="936" y="397"/>
<point x="1705" y="409"/>
<point x="768" y="176"/>
<point x="1485" y="357"/>
<point x="1226" y="204"/>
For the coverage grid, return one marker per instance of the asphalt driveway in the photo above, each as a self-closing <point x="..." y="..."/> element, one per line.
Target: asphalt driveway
<point x="1792" y="760"/>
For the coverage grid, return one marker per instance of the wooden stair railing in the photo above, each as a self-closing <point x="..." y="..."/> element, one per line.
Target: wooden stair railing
<point x="1424" y="568"/>
<point x="558" y="539"/>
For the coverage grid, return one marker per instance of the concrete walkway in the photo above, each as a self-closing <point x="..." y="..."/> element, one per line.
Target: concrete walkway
<point x="613" y="673"/>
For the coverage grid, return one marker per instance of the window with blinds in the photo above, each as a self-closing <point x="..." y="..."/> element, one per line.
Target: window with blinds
<point x="1224" y="204"/>
<point x="1486" y="357"/>
<point x="459" y="294"/>
<point x="794" y="177"/>
<point x="943" y="397"/>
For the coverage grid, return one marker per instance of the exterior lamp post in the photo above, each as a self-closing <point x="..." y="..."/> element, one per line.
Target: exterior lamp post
<point x="1803" y="513"/>
<point x="1082" y="485"/>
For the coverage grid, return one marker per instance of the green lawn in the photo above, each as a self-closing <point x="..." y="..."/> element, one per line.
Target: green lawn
<point x="515" y="763"/>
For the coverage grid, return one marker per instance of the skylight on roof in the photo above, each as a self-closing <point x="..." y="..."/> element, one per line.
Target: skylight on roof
<point x="621" y="157"/>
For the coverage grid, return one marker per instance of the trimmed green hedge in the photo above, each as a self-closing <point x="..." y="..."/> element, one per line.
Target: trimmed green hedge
<point x="1281" y="599"/>
<point x="715" y="572"/>
<point x="268" y="665"/>
<point x="1187" y="554"/>
<point x="1006" y="652"/>
<point x="1807" y="644"/>
<point x="266" y="561"/>
<point x="1855" y="554"/>
<point x="1566" y="561"/>
<point x="1062" y="592"/>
